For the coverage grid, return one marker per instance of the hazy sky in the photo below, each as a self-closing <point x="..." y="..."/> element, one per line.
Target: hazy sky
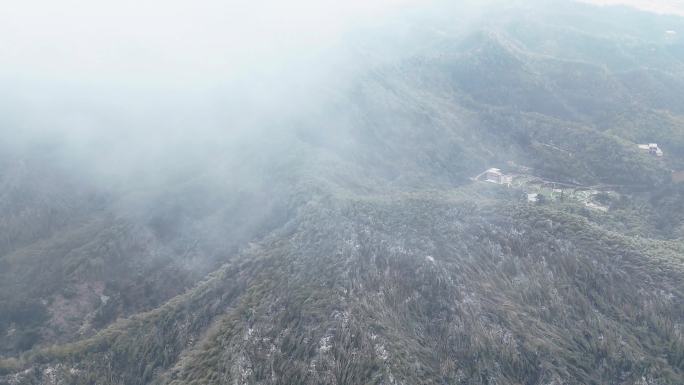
<point x="164" y="65"/>
<point x="181" y="40"/>
<point x="675" y="7"/>
<point x="185" y="39"/>
<point x="119" y="81"/>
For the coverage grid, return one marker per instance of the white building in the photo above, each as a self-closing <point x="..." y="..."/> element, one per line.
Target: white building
<point x="494" y="175"/>
<point x="651" y="148"/>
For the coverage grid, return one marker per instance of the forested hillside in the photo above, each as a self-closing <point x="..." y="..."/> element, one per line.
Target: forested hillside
<point x="348" y="241"/>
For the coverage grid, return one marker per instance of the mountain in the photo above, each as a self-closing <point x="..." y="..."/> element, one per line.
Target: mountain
<point x="347" y="240"/>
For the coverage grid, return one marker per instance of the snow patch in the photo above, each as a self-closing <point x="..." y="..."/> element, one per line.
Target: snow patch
<point x="381" y="352"/>
<point x="249" y="334"/>
<point x="325" y="344"/>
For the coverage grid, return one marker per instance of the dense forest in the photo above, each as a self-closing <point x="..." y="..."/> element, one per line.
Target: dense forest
<point x="352" y="243"/>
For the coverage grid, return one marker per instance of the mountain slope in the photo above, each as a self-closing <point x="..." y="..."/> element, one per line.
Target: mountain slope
<point x="381" y="292"/>
<point x="351" y="246"/>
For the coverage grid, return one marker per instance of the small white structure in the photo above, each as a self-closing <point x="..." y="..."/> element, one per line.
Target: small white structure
<point x="533" y="198"/>
<point x="671" y="36"/>
<point x="494" y="175"/>
<point x="651" y="148"/>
